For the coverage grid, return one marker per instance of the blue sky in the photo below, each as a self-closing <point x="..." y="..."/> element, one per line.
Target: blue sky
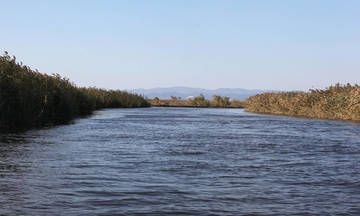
<point x="269" y="44"/>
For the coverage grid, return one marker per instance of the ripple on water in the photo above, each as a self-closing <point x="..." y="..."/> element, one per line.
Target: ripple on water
<point x="180" y="161"/>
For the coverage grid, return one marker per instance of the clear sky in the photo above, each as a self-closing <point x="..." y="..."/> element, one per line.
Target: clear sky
<point x="269" y="44"/>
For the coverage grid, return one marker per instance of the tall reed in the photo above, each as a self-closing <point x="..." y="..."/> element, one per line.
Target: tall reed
<point x="29" y="98"/>
<point x="340" y="102"/>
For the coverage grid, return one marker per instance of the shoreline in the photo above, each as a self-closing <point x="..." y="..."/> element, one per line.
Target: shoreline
<point x="191" y="104"/>
<point x="339" y="102"/>
<point x="303" y="117"/>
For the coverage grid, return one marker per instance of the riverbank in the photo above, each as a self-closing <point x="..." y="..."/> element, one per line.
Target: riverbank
<point x="191" y="103"/>
<point x="31" y="99"/>
<point x="339" y="102"/>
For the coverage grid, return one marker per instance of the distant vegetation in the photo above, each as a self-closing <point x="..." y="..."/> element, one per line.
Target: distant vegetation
<point x="340" y="102"/>
<point x="221" y="101"/>
<point x="31" y="99"/>
<point x="199" y="101"/>
<point x="184" y="93"/>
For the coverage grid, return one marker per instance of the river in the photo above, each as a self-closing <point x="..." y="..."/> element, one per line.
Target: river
<point x="182" y="161"/>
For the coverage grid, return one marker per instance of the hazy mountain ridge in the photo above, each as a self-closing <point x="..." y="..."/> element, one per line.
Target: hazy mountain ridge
<point x="186" y="92"/>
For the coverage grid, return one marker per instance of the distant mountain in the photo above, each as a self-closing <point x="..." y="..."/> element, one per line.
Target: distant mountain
<point x="185" y="92"/>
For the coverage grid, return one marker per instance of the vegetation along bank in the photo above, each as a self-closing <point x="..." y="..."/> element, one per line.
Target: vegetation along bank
<point x="339" y="102"/>
<point x="32" y="99"/>
<point x="199" y="101"/>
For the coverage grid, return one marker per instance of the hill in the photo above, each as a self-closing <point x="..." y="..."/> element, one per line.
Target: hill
<point x="186" y="92"/>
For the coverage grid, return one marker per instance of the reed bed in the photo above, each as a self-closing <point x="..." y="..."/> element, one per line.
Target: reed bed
<point x="339" y="102"/>
<point x="30" y="99"/>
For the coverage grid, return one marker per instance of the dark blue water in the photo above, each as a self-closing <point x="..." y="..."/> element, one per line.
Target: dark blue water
<point x="182" y="161"/>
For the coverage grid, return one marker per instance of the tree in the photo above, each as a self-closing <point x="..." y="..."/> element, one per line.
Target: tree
<point x="156" y="100"/>
<point x="221" y="101"/>
<point x="200" y="101"/>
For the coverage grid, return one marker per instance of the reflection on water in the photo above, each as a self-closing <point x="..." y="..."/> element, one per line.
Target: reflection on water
<point x="181" y="161"/>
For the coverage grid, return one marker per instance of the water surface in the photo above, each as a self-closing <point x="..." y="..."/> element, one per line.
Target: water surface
<point x="182" y="161"/>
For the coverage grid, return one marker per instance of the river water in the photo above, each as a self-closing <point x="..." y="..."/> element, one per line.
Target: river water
<point x="182" y="161"/>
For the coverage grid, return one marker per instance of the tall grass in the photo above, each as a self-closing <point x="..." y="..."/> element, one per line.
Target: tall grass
<point x="31" y="99"/>
<point x="341" y="102"/>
